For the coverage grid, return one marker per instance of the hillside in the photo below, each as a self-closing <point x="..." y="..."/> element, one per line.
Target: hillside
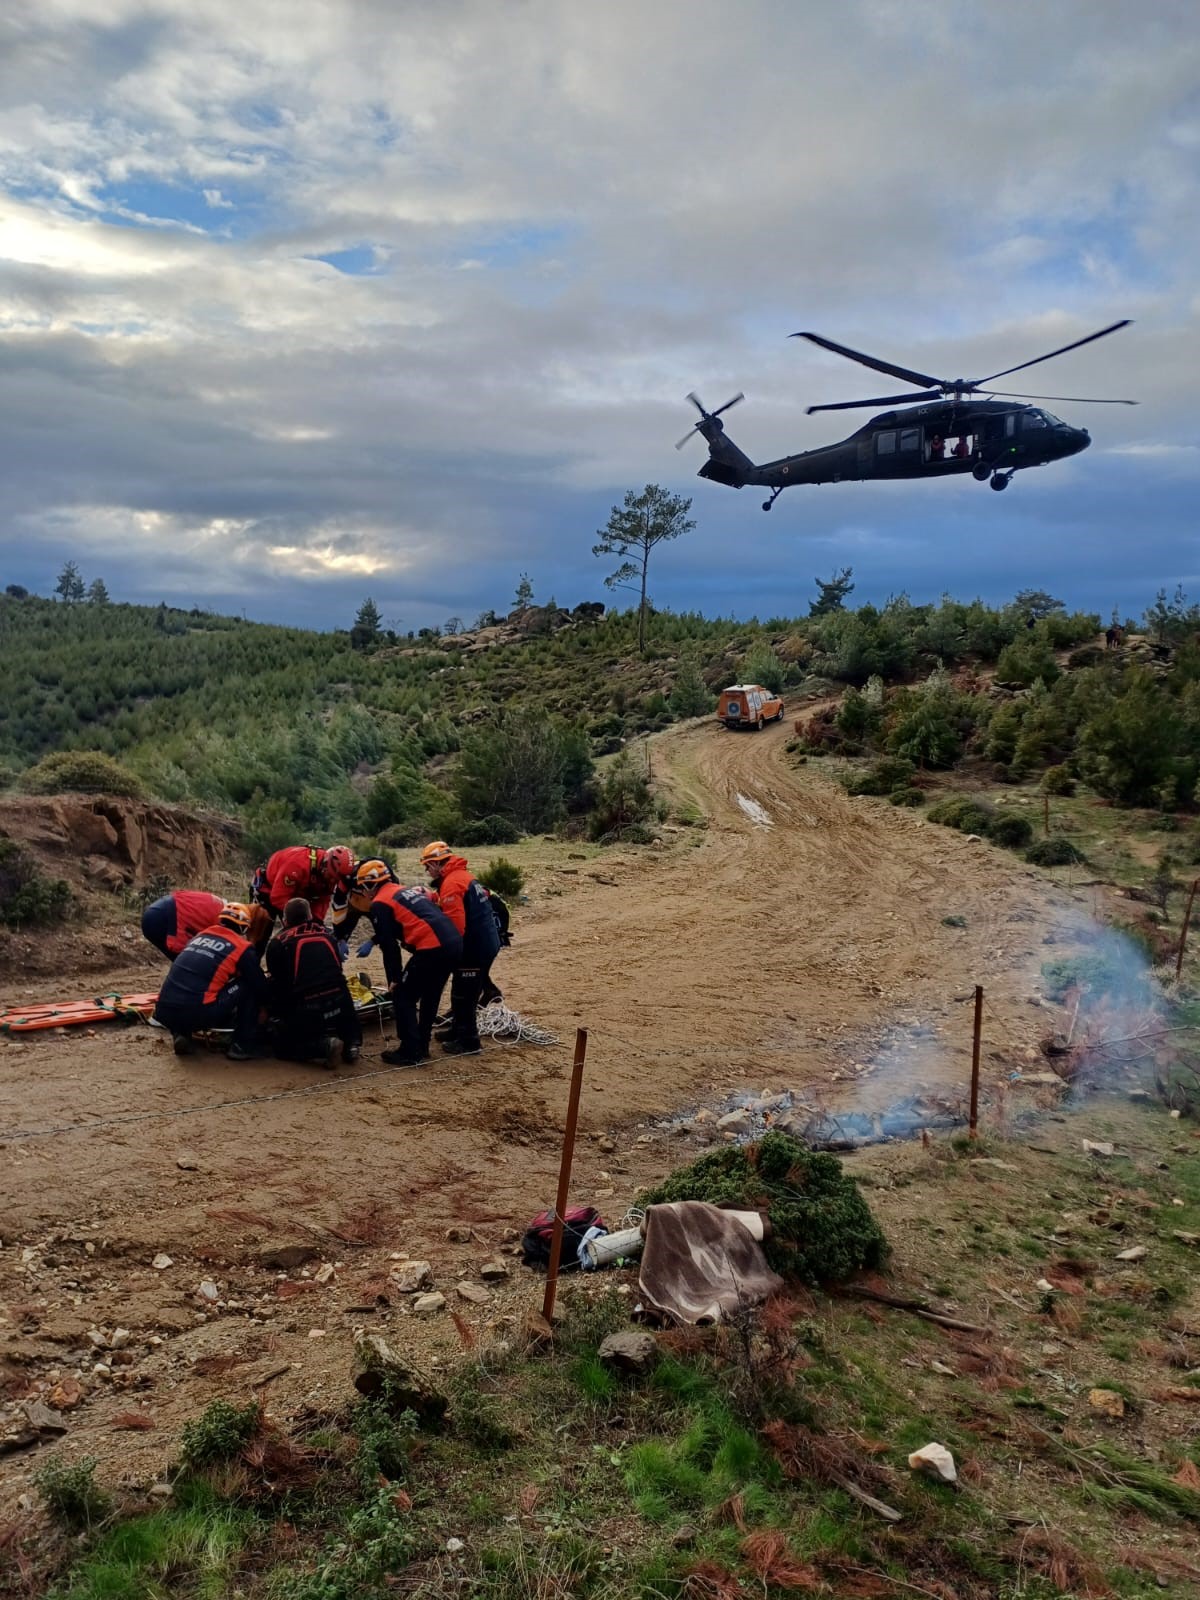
<point x="492" y="733"/>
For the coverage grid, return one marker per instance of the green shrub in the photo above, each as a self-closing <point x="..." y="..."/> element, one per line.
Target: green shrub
<point x="1013" y="832"/>
<point x="71" y="1493"/>
<point x="891" y="772"/>
<point x="219" y="1433"/>
<point x="1058" y="780"/>
<point x="385" y="1442"/>
<point x="503" y="877"/>
<point x="86" y="770"/>
<point x="477" y="1414"/>
<point x="822" y="1228"/>
<point x="690" y="695"/>
<point x="961" y="812"/>
<point x="488" y="830"/>
<point x="1053" y="853"/>
<point x="907" y="797"/>
<point x="25" y="896"/>
<point x="624" y="804"/>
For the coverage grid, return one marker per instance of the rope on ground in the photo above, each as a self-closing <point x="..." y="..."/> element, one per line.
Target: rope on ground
<point x="499" y="1021"/>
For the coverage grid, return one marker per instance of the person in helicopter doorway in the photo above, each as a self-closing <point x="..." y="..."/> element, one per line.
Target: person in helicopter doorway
<point x="963" y="448"/>
<point x="937" y="448"/>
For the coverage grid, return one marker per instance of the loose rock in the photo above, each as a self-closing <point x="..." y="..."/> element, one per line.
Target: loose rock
<point x="161" y="1262"/>
<point x="410" y="1276"/>
<point x="474" y="1292"/>
<point x="426" y="1304"/>
<point x="633" y="1350"/>
<point x="1137" y="1252"/>
<point x="935" y="1461"/>
<point x="493" y="1271"/>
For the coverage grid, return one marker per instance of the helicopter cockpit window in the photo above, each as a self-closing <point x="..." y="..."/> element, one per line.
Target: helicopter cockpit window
<point x="910" y="439"/>
<point x="1034" y="419"/>
<point x="885" y="444"/>
<point x="1010" y="425"/>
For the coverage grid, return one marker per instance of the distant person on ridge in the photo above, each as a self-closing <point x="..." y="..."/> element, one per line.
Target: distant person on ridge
<point x="465" y="901"/>
<point x="409" y="919"/>
<point x="308" y="994"/>
<point x="305" y="871"/>
<point x="171" y="922"/>
<point x="215" y="982"/>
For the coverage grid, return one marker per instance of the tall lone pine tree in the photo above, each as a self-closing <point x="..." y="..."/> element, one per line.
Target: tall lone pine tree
<point x="633" y="530"/>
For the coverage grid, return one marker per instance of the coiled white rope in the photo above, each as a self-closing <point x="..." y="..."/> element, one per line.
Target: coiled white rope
<point x="499" y="1021"/>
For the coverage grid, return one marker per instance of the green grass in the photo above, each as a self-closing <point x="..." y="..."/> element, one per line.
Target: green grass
<point x="193" y="1550"/>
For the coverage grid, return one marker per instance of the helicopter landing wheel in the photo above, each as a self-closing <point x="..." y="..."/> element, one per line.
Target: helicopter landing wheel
<point x="981" y="472"/>
<point x="775" y="493"/>
<point x="1000" y="480"/>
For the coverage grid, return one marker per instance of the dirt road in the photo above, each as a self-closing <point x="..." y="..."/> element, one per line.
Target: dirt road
<point x="780" y="941"/>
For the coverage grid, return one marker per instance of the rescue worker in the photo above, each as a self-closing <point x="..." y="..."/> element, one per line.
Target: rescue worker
<point x="302" y="870"/>
<point x="170" y="922"/>
<point x="465" y="901"/>
<point x="215" y="982"/>
<point x="308" y="997"/>
<point x="350" y="903"/>
<point x="409" y="918"/>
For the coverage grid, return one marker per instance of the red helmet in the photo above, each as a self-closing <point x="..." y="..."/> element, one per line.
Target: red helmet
<point x="339" y="861"/>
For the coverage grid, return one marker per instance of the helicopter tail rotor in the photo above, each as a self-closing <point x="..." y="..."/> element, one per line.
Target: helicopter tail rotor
<point x="707" y="416"/>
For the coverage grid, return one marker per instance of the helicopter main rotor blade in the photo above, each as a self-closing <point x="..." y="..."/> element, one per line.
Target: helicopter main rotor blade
<point x="883" y="400"/>
<point x="737" y="397"/>
<point x="1061" y="351"/>
<point x="696" y="401"/>
<point x="1075" y="399"/>
<point x="687" y="436"/>
<point x="870" y="361"/>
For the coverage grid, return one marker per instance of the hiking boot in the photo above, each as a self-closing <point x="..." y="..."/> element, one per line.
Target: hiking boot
<point x="329" y="1049"/>
<point x="185" y="1045"/>
<point x="350" y="1054"/>
<point x="462" y="1047"/>
<point x="442" y="1034"/>
<point x="403" y="1058"/>
<point x="238" y="1052"/>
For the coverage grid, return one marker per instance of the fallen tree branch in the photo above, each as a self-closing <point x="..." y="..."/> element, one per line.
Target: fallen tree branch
<point x="917" y="1307"/>
<point x="888" y="1513"/>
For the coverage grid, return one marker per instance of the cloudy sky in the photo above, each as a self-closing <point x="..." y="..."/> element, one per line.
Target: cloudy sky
<point x="302" y="300"/>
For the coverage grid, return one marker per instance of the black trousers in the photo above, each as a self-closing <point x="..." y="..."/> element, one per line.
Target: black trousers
<point x="158" y="924"/>
<point x="236" y="1007"/>
<point x="466" y="987"/>
<point x="300" y="1033"/>
<point x="418" y="996"/>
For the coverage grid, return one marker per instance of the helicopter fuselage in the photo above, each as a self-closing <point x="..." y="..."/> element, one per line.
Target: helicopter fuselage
<point x="989" y="438"/>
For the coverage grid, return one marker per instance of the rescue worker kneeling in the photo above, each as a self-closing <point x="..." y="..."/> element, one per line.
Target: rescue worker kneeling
<point x="408" y="918"/>
<point x="309" y="998"/>
<point x="171" y="922"/>
<point x="465" y="901"/>
<point x="215" y="982"/>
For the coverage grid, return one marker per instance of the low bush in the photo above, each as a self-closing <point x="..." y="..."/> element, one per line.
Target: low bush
<point x="503" y="877"/>
<point x="1058" y="780"/>
<point x="71" y="1493"/>
<point x="86" y="770"/>
<point x="961" y="812"/>
<point x="822" y="1228"/>
<point x="488" y="830"/>
<point x="220" y="1433"/>
<point x="1013" y="832"/>
<point x="886" y="775"/>
<point x="1053" y="853"/>
<point x="25" y="896"/>
<point x="624" y="804"/>
<point x="907" y="797"/>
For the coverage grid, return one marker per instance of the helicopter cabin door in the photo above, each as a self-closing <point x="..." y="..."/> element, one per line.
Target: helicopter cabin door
<point x="999" y="434"/>
<point x="898" y="451"/>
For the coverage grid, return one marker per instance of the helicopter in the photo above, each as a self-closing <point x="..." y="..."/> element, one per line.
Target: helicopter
<point x="992" y="438"/>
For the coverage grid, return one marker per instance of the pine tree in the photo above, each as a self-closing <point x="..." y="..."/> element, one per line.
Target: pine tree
<point x="98" y="593"/>
<point x="632" y="531"/>
<point x="690" y="695"/>
<point x="70" y="584"/>
<point x="833" y="592"/>
<point x="524" y="595"/>
<point x="367" y="625"/>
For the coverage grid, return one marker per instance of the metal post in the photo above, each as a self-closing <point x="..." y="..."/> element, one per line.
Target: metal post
<point x="564" y="1173"/>
<point x="973" y="1127"/>
<point x="1183" y="932"/>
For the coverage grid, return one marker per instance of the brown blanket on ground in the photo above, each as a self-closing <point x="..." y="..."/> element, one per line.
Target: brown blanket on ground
<point x="701" y="1263"/>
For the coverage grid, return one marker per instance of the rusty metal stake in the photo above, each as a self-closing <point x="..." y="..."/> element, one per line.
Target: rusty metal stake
<point x="1183" y="932"/>
<point x="564" y="1173"/>
<point x="973" y="1126"/>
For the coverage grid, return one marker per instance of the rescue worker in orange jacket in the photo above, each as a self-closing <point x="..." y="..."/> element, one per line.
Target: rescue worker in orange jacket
<point x="303" y="871"/>
<point x="309" y="997"/>
<point x="465" y="901"/>
<point x="410" y="919"/>
<point x="215" y="982"/>
<point x="172" y="921"/>
<point x="350" y="902"/>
